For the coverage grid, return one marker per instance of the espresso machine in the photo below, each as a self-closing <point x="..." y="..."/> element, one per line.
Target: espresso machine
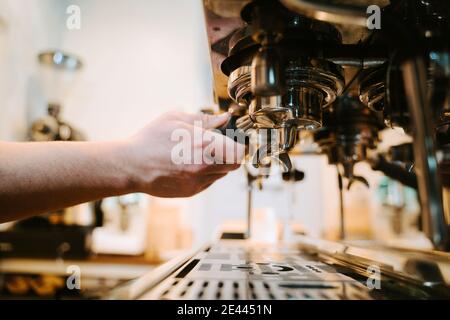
<point x="335" y="73"/>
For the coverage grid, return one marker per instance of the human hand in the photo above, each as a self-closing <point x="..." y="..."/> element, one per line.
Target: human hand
<point x="178" y="155"/>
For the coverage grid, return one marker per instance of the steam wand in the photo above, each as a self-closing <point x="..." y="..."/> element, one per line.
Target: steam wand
<point x="341" y="206"/>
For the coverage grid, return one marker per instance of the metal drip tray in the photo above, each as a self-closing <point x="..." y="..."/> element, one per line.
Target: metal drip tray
<point x="230" y="271"/>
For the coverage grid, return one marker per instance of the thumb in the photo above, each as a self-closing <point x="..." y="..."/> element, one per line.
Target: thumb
<point x="209" y="121"/>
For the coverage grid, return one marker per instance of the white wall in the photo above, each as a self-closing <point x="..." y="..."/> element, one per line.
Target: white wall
<point x="141" y="58"/>
<point x="26" y="27"/>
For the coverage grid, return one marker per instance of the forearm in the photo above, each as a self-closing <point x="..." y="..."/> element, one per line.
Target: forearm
<point x="39" y="177"/>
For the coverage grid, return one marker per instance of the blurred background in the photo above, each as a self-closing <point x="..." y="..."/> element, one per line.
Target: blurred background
<point x="140" y="58"/>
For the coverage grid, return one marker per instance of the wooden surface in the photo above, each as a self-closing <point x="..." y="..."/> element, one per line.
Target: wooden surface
<point x="103" y="266"/>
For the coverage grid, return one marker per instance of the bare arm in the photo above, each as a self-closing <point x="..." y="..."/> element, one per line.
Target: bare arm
<point x="36" y="177"/>
<point x="41" y="176"/>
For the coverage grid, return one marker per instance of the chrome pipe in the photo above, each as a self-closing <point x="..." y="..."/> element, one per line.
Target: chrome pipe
<point x="430" y="191"/>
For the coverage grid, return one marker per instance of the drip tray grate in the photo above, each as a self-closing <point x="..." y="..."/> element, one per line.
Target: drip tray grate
<point x="238" y="273"/>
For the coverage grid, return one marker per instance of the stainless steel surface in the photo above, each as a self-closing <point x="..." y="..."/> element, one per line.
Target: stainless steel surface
<point x="268" y="112"/>
<point x="332" y="11"/>
<point x="267" y="76"/>
<point x="402" y="264"/>
<point x="430" y="188"/>
<point x="310" y="269"/>
<point x="272" y="145"/>
<point x="311" y="86"/>
<point x="285" y="161"/>
<point x="358" y="63"/>
<point x="230" y="270"/>
<point x="239" y="85"/>
<point x="248" y="232"/>
<point x="287" y="138"/>
<point x="341" y="206"/>
<point x="373" y="89"/>
<point x="349" y="131"/>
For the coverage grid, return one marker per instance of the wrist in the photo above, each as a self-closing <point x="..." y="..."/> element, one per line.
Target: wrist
<point x="127" y="167"/>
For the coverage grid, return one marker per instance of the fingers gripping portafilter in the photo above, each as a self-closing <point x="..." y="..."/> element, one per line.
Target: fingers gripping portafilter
<point x="275" y="76"/>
